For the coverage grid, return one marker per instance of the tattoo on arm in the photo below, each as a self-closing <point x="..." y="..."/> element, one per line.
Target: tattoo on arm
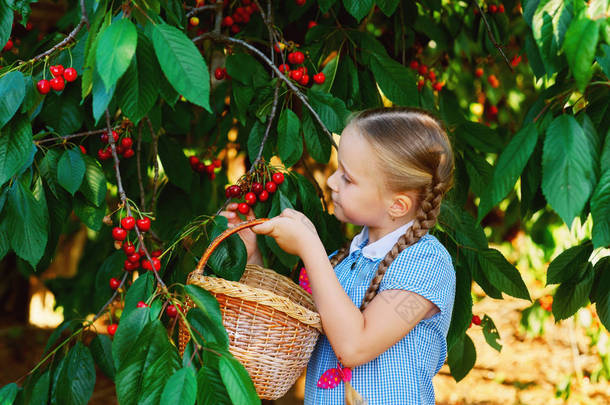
<point x="408" y="308"/>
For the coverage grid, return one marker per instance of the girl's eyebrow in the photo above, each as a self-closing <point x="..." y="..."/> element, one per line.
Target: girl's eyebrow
<point x="345" y="170"/>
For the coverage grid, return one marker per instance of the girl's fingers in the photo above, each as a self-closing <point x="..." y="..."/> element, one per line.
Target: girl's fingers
<point x="264" y="228"/>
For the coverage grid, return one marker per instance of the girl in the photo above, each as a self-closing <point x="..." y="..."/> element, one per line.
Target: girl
<point x="385" y="300"/>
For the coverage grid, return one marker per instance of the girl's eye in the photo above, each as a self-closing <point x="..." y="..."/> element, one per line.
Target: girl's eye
<point x="345" y="179"/>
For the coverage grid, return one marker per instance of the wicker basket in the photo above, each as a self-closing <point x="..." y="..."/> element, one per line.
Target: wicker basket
<point x="271" y="321"/>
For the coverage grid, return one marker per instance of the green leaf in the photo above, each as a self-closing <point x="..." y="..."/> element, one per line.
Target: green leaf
<point x="94" y="182"/>
<point x="181" y="388"/>
<point x="6" y="22"/>
<point x="140" y="290"/>
<point x="549" y="25"/>
<point x="601" y="290"/>
<point x="255" y="139"/>
<point x="63" y="113"/>
<point x="15" y="147"/>
<point x="71" y="169"/>
<point x="229" y="259"/>
<point x="115" y="49"/>
<point x="242" y="98"/>
<point x="572" y="295"/>
<point x="101" y="96"/>
<point x="480" y="137"/>
<point x="332" y="111"/>
<point x="317" y="142"/>
<point x="182" y="64"/>
<point x="101" y="349"/>
<point x="210" y="388"/>
<point x="502" y="274"/>
<point x="604" y="61"/>
<point x="358" y="8"/>
<point x="568" y="263"/>
<point x="138" y="89"/>
<point x="330" y="71"/>
<point x="387" y="6"/>
<point x="490" y="332"/>
<point x="9" y="391"/>
<point x="91" y="215"/>
<point x="289" y="144"/>
<point x="77" y="377"/>
<point x="580" y="44"/>
<point x="126" y="335"/>
<point x="568" y="164"/>
<point x="462" y="357"/>
<point x="325" y="5"/>
<point x="236" y="379"/>
<point x="175" y="163"/>
<point x="40" y="391"/>
<point x="155" y="375"/>
<point x="510" y="165"/>
<point x="396" y="81"/>
<point x="208" y="329"/>
<point x="12" y="92"/>
<point x="27" y="219"/>
<point x="246" y="69"/>
<point x="600" y="211"/>
<point x="462" y="307"/>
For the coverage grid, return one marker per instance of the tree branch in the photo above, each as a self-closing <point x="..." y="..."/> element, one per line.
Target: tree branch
<point x="198" y="10"/>
<point x="83" y="11"/>
<point x="295" y="90"/>
<point x="65" y="137"/>
<point x="71" y="36"/>
<point x="139" y="169"/>
<point x="155" y="140"/>
<point x="268" y="130"/>
<point x="123" y="198"/>
<point x="491" y="36"/>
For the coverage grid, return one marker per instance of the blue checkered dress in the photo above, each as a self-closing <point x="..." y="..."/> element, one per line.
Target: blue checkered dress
<point x="402" y="375"/>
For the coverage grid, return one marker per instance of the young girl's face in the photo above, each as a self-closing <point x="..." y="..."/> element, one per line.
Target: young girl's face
<point x="358" y="191"/>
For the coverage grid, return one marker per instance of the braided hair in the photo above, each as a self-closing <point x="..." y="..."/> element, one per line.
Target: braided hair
<point x="414" y="153"/>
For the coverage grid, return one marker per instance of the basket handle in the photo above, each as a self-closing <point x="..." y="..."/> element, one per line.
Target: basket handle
<point x="223" y="236"/>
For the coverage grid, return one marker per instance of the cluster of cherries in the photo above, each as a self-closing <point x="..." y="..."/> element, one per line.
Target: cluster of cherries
<point x="58" y="82"/>
<point x="210" y="167"/>
<point x="124" y="146"/>
<point x="221" y="73"/>
<point x="298" y="74"/>
<point x="135" y="259"/>
<point x="10" y="43"/>
<point x="426" y="73"/>
<point x="256" y="192"/>
<point x="240" y="15"/>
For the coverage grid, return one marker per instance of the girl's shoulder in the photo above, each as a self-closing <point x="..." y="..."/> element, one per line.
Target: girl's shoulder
<point x="428" y="247"/>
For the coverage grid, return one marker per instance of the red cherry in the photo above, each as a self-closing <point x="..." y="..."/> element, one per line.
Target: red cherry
<point x="119" y="233"/>
<point x="219" y="74"/>
<point x="493" y="8"/>
<point x="112" y="329"/>
<point x="57" y="83"/>
<point x="319" y="78"/>
<point x="127" y="142"/>
<point x="271" y="187"/>
<point x="235" y="28"/>
<point x="299" y="57"/>
<point x="128" y="265"/>
<point x="194" y="161"/>
<point x="210" y="169"/>
<point x="311" y="24"/>
<point x="143" y="224"/>
<point x="141" y="304"/>
<point x="493" y="81"/>
<point x="104" y="137"/>
<point x="171" y="311"/>
<point x="227" y="21"/>
<point x="234" y="191"/>
<point x="300" y="2"/>
<point x="129" y="248"/>
<point x="432" y="75"/>
<point x="438" y="86"/>
<point x="414" y="65"/>
<point x="129" y="153"/>
<point x="493" y="110"/>
<point x="423" y="69"/>
<point x="296" y="75"/>
<point x="250" y="198"/>
<point x="82" y="149"/>
<point x="263" y="196"/>
<point x="43" y="86"/>
<point x="278" y="178"/>
<point x="478" y="72"/>
<point x="156" y="263"/>
<point x="28" y="26"/>
<point x="70" y="74"/>
<point x="476" y="320"/>
<point x="57" y="70"/>
<point x="284" y="68"/>
<point x="8" y="46"/>
<point x="515" y="61"/>
<point x="146" y="265"/>
<point x="257" y="188"/>
<point x="217" y="163"/>
<point x="200" y="168"/>
<point x="115" y="136"/>
<point x="243" y="208"/>
<point x="501" y="8"/>
<point x="134" y="258"/>
<point x="101" y="154"/>
<point x="115" y="283"/>
<point x="128" y="223"/>
<point x="304" y="80"/>
<point x="249" y="9"/>
<point x="156" y="253"/>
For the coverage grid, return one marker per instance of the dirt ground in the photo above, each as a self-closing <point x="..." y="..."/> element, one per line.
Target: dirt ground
<point x="527" y="371"/>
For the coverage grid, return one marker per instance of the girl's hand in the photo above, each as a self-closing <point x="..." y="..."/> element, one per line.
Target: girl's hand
<point x="246" y="235"/>
<point x="292" y="231"/>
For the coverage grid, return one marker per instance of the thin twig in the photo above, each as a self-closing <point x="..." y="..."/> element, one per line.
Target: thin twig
<point x="491" y="36"/>
<point x="123" y="198"/>
<point x="139" y="169"/>
<point x="71" y="36"/>
<point x="83" y="11"/>
<point x="101" y="311"/>
<point x="198" y="10"/>
<point x="267" y="20"/>
<point x="155" y="141"/>
<point x="223" y="38"/>
<point x="65" y="137"/>
<point x="268" y="130"/>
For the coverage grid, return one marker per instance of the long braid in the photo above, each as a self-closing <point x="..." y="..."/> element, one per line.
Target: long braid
<point x="425" y="219"/>
<point x="341" y="254"/>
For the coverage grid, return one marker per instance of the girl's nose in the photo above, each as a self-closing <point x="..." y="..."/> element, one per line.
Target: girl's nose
<point x="331" y="181"/>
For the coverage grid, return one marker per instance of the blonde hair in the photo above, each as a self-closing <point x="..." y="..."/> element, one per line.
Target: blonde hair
<point x="414" y="153"/>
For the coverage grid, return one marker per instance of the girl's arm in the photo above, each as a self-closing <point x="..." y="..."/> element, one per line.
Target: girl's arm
<point x="356" y="337"/>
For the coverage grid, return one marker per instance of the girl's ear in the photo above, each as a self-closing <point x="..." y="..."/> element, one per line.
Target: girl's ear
<point x="402" y="205"/>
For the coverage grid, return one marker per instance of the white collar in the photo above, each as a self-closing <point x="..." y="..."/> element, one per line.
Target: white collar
<point x="379" y="248"/>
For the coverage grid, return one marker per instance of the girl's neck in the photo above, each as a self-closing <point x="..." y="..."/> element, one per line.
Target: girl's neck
<point x="378" y="232"/>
